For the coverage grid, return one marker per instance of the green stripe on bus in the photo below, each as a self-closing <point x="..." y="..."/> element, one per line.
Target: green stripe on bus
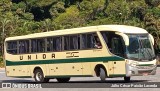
<point x="117" y="75"/>
<point x="72" y="60"/>
<point x="144" y="64"/>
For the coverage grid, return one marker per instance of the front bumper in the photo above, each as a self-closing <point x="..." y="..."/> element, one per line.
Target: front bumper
<point x="140" y="70"/>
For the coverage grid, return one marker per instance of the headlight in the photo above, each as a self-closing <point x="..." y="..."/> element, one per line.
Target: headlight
<point x="131" y="63"/>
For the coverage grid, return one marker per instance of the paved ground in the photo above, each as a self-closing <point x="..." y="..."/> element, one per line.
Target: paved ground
<point x="85" y="83"/>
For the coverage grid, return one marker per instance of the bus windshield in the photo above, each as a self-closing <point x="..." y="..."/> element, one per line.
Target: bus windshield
<point x="140" y="48"/>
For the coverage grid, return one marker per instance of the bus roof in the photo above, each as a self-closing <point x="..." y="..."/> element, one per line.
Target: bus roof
<point x="116" y="28"/>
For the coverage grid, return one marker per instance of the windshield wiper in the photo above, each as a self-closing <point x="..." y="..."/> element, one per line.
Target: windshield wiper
<point x="141" y="47"/>
<point x="149" y="54"/>
<point x="150" y="58"/>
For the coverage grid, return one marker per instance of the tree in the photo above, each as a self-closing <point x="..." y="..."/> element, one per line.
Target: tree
<point x="152" y="3"/>
<point x="47" y="25"/>
<point x="4" y="23"/>
<point x="69" y="19"/>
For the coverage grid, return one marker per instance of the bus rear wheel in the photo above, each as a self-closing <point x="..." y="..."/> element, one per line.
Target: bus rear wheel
<point x="127" y="79"/>
<point x="63" y="80"/>
<point x="102" y="74"/>
<point x="39" y="76"/>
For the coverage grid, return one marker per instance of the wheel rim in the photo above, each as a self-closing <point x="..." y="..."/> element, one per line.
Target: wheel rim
<point x="38" y="76"/>
<point x="102" y="74"/>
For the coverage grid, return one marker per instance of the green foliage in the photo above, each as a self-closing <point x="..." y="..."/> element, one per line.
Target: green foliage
<point x="57" y="9"/>
<point x="152" y="3"/>
<point x="91" y="9"/>
<point x="20" y="17"/>
<point x="40" y="3"/>
<point x="154" y="11"/>
<point x="70" y="18"/>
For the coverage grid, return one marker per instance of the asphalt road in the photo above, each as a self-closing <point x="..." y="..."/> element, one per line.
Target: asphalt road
<point x="85" y="83"/>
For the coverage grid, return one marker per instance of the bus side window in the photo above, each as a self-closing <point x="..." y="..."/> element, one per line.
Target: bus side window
<point x="57" y="44"/>
<point x="114" y="43"/>
<point x="79" y="45"/>
<point x="74" y="42"/>
<point x="33" y="45"/>
<point x="54" y="44"/>
<point x="66" y="43"/>
<point x="83" y="41"/>
<point x="12" y="47"/>
<point x="97" y="43"/>
<point x="88" y="41"/>
<point x="40" y="45"/>
<point x="71" y="42"/>
<point x="24" y="46"/>
<point x="107" y="38"/>
<point x="49" y="44"/>
<point x="117" y="46"/>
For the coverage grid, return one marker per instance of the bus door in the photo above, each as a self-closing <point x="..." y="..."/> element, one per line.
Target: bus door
<point x="118" y="49"/>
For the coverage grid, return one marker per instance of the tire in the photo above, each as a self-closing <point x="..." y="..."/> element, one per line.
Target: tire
<point x="102" y="74"/>
<point x="38" y="76"/>
<point x="63" y="80"/>
<point x="127" y="79"/>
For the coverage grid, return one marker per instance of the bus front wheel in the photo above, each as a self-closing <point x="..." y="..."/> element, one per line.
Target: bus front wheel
<point x="63" y="80"/>
<point x="127" y="79"/>
<point x="39" y="77"/>
<point x="102" y="74"/>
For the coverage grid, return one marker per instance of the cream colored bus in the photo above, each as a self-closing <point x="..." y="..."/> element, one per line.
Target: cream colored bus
<point x="103" y="51"/>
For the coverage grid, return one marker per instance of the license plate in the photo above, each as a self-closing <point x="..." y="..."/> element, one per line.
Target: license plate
<point x="145" y="74"/>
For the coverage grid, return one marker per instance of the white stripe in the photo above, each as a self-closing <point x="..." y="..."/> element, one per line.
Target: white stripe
<point x="2" y="72"/>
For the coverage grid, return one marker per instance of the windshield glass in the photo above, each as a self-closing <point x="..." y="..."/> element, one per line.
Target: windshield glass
<point x="140" y="48"/>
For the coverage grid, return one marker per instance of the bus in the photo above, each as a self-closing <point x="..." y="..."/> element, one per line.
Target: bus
<point x="104" y="51"/>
